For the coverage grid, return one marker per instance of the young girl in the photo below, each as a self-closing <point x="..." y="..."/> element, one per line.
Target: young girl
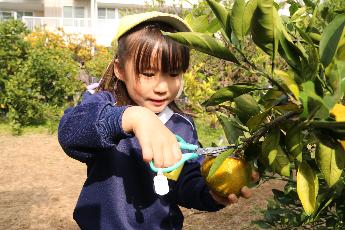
<point x="131" y="120"/>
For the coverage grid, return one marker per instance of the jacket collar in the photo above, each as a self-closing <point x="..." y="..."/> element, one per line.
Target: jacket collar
<point x="165" y="115"/>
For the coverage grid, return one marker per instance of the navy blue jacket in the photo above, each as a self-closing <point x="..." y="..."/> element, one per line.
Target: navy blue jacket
<point x="118" y="192"/>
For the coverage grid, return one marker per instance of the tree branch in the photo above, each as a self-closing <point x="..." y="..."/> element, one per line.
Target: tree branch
<point x="259" y="133"/>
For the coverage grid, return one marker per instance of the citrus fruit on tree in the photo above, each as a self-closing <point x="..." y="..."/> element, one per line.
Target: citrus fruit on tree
<point x="229" y="178"/>
<point x="338" y="111"/>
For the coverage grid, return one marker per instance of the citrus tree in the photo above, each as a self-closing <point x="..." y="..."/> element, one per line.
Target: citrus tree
<point x="291" y="123"/>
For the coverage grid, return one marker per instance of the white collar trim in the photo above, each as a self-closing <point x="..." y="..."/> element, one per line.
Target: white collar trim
<point x="165" y="115"/>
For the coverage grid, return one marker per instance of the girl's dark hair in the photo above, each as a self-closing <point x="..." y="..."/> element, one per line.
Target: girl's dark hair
<point x="138" y="45"/>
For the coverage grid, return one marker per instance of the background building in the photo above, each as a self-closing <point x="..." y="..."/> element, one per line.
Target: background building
<point x="96" y="17"/>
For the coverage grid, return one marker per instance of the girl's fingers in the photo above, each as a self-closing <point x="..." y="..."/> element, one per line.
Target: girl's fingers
<point x="147" y="152"/>
<point x="246" y="192"/>
<point x="176" y="150"/>
<point x="232" y="199"/>
<point x="171" y="153"/>
<point x="158" y="157"/>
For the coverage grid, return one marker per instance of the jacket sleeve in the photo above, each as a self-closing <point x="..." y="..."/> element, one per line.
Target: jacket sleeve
<point x="191" y="189"/>
<point x="92" y="126"/>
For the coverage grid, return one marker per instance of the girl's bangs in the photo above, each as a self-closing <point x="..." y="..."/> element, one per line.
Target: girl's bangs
<point x="155" y="52"/>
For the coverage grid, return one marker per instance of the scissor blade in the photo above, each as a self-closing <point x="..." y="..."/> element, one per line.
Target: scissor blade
<point x="214" y="151"/>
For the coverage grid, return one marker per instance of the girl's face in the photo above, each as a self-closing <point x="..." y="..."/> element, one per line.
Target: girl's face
<point x="151" y="88"/>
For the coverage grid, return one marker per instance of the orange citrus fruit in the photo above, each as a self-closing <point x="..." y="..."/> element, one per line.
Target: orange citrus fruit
<point x="229" y="178"/>
<point x="338" y="111"/>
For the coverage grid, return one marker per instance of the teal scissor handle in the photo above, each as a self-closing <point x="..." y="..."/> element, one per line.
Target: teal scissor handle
<point x="185" y="157"/>
<point x="184" y="145"/>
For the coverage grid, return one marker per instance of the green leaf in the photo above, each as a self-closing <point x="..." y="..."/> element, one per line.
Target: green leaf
<point x="336" y="78"/>
<point x="307" y="187"/>
<point x="308" y="37"/>
<point x="223" y="16"/>
<point x="328" y="124"/>
<point x="272" y="97"/>
<point x="290" y="51"/>
<point x="331" y="162"/>
<point x="256" y="122"/>
<point x="198" y="24"/>
<point x="293" y="7"/>
<point x="293" y="140"/>
<point x="231" y="128"/>
<point x="313" y="104"/>
<point x="229" y="93"/>
<point x="213" y="26"/>
<point x="287" y="82"/>
<point x="341" y="50"/>
<point x="265" y="27"/>
<point x="241" y="16"/>
<point x="296" y="17"/>
<point x="270" y="35"/>
<point x="204" y="43"/>
<point x="219" y="161"/>
<point x="309" y="3"/>
<point x="287" y="107"/>
<point x="330" y="39"/>
<point x="274" y="155"/>
<point x="315" y="37"/>
<point x="310" y="67"/>
<point x="202" y="25"/>
<point x="246" y="107"/>
<point x="279" y="161"/>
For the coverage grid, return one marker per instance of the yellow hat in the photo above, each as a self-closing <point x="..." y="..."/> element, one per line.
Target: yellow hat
<point x="128" y="22"/>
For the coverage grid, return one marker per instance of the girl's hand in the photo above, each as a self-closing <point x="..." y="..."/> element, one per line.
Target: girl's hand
<point x="232" y="198"/>
<point x="157" y="142"/>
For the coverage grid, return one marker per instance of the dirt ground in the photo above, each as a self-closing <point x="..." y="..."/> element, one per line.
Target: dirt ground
<point x="39" y="186"/>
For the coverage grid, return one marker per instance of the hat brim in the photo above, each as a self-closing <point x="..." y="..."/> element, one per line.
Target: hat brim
<point x="128" y="22"/>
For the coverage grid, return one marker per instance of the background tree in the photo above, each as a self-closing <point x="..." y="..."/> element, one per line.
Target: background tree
<point x="13" y="52"/>
<point x="40" y="79"/>
<point x="99" y="61"/>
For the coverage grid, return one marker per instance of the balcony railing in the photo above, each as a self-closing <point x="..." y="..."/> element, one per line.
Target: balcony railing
<point x="102" y="29"/>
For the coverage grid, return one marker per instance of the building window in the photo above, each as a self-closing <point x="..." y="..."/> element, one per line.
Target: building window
<point x="111" y="13"/>
<point x="102" y="13"/>
<point x="79" y="12"/>
<point x="4" y="15"/>
<point x="67" y="12"/>
<point x="106" y="13"/>
<point x="73" y="12"/>
<point x="70" y="13"/>
<point x="20" y="14"/>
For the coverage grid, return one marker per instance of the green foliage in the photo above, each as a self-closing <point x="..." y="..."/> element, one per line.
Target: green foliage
<point x="295" y="118"/>
<point x="48" y="77"/>
<point x="228" y="93"/>
<point x="41" y="80"/>
<point x="13" y="52"/>
<point x="198" y="87"/>
<point x="207" y="135"/>
<point x="98" y="63"/>
<point x="331" y="8"/>
<point x="284" y="210"/>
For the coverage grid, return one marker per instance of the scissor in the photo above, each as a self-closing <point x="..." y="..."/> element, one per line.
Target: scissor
<point x="197" y="152"/>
